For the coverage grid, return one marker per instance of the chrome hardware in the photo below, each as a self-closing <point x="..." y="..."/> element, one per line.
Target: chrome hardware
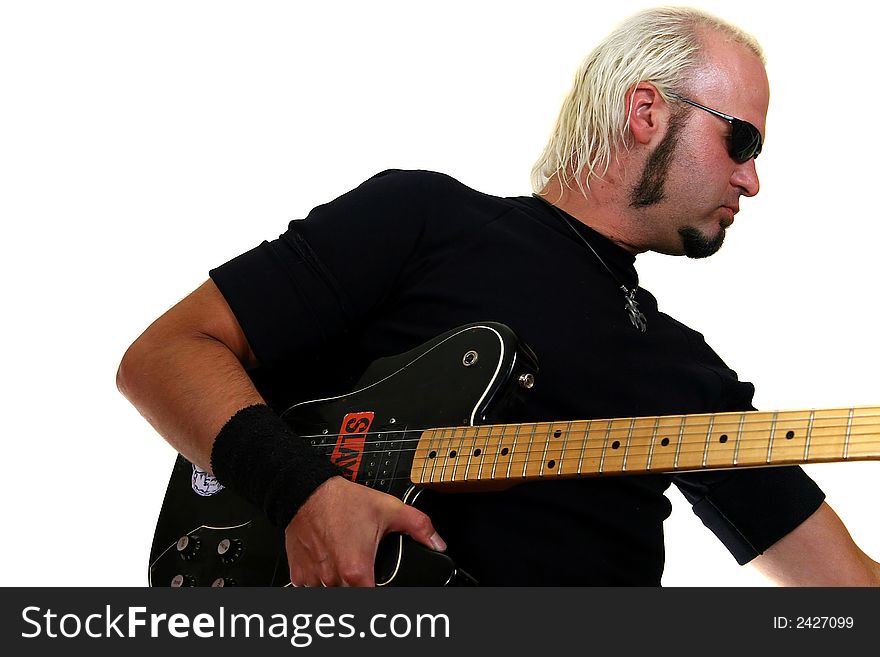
<point x="526" y="381"/>
<point x="470" y="358"/>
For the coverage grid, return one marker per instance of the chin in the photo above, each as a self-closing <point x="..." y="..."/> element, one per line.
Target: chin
<point x="697" y="245"/>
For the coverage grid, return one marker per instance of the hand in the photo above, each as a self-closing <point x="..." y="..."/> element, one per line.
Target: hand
<point x="332" y="539"/>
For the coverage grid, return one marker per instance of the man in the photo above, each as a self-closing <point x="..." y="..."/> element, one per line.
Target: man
<point x="647" y="155"/>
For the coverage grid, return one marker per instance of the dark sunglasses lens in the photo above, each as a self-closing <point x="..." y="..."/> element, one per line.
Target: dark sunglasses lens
<point x="745" y="141"/>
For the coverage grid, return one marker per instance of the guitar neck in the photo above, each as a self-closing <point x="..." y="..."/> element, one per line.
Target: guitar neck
<point x="504" y="454"/>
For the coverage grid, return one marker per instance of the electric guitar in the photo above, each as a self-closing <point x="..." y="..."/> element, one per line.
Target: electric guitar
<point x="208" y="536"/>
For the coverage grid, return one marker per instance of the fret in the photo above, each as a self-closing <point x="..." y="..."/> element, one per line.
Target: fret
<point x="565" y="435"/>
<point x="605" y="447"/>
<point x="629" y="436"/>
<point x="668" y="428"/>
<point x="614" y="447"/>
<point x="470" y="456"/>
<point x="849" y="421"/>
<point x="772" y="436"/>
<point x="550" y="458"/>
<point x="498" y="447"/>
<point x="512" y="450"/>
<point x="422" y="454"/>
<point x="653" y="442"/>
<point x="864" y="438"/>
<point x="438" y="452"/>
<point x="546" y="449"/>
<point x="589" y="428"/>
<point x="790" y="436"/>
<point x="484" y="451"/>
<point x="693" y="443"/>
<point x="757" y="431"/>
<point x="809" y="435"/>
<point x="708" y="438"/>
<point x="739" y="433"/>
<point x="639" y="444"/>
<point x="447" y="449"/>
<point x="828" y="434"/>
<point x="646" y="444"/>
<point x="721" y="447"/>
<point x="680" y="436"/>
<point x="468" y="432"/>
<point x="422" y="458"/>
<point x="529" y="450"/>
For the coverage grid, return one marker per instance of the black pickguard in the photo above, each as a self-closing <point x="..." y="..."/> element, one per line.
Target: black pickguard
<point x="464" y="377"/>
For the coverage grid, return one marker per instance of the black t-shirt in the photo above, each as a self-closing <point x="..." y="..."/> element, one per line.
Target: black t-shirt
<point x="408" y="255"/>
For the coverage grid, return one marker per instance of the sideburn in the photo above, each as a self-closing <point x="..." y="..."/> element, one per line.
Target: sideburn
<point x="649" y="190"/>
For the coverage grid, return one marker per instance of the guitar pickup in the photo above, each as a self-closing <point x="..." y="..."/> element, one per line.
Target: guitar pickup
<point x="381" y="458"/>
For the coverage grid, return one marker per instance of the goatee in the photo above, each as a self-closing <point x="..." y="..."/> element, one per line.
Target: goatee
<point x="697" y="245"/>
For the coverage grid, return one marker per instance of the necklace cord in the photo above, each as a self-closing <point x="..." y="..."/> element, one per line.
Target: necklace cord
<point x="637" y="317"/>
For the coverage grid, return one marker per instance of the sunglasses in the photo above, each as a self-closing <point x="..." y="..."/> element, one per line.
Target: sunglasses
<point x="745" y="139"/>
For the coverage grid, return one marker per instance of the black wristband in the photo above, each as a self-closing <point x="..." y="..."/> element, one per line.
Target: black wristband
<point x="258" y="456"/>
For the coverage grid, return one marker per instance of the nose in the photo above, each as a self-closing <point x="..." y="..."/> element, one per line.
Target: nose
<point x="745" y="176"/>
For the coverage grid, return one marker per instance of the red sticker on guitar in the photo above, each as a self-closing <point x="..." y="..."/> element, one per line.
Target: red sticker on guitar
<point x="350" y="444"/>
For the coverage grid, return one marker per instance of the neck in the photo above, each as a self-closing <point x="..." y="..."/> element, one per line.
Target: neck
<point x="598" y="211"/>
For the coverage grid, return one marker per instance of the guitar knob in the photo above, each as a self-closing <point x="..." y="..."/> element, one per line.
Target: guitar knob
<point x="181" y="581"/>
<point x="221" y="582"/>
<point x="188" y="547"/>
<point x="230" y="549"/>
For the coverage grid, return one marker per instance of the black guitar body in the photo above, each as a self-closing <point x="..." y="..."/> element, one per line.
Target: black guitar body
<point x="471" y="375"/>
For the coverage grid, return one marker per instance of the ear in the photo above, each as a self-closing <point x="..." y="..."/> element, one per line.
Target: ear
<point x="646" y="112"/>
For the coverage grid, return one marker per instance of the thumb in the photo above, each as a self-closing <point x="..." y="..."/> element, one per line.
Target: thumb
<point x="411" y="521"/>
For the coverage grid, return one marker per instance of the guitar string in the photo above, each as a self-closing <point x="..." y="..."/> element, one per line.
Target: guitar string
<point x="433" y="466"/>
<point x="614" y="431"/>
<point x="582" y="453"/>
<point x="635" y="450"/>
<point x="669" y="432"/>
<point x="603" y="445"/>
<point x="781" y="442"/>
<point x="734" y="420"/>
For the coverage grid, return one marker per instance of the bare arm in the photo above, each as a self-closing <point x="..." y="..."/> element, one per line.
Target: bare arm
<point x="187" y="375"/>
<point x="819" y="552"/>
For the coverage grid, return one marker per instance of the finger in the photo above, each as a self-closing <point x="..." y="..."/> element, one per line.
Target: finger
<point x="307" y="575"/>
<point x="418" y="525"/>
<point x="327" y="575"/>
<point x="358" y="571"/>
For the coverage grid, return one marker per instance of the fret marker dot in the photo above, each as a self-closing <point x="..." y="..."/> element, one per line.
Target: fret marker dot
<point x="504" y="452"/>
<point x="789" y="435"/>
<point x="664" y="442"/>
<point x="432" y="454"/>
<point x="615" y="444"/>
<point x="557" y="433"/>
<point x="477" y="452"/>
<point x="723" y="438"/>
<point x="551" y="465"/>
<point x="452" y="454"/>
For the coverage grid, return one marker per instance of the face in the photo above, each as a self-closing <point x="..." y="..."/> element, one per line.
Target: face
<point x="690" y="187"/>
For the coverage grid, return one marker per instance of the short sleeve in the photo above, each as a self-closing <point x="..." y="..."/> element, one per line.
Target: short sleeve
<point x="749" y="510"/>
<point x="295" y="294"/>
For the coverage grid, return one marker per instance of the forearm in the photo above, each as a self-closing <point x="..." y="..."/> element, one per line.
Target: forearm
<point x="185" y="382"/>
<point x="820" y="552"/>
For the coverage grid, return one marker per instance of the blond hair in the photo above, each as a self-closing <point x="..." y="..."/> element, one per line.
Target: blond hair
<point x="661" y="46"/>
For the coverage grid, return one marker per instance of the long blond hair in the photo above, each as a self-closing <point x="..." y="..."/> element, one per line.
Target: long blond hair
<point x="661" y="46"/>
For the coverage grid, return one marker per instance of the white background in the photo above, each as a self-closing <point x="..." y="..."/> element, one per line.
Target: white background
<point x="143" y="143"/>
